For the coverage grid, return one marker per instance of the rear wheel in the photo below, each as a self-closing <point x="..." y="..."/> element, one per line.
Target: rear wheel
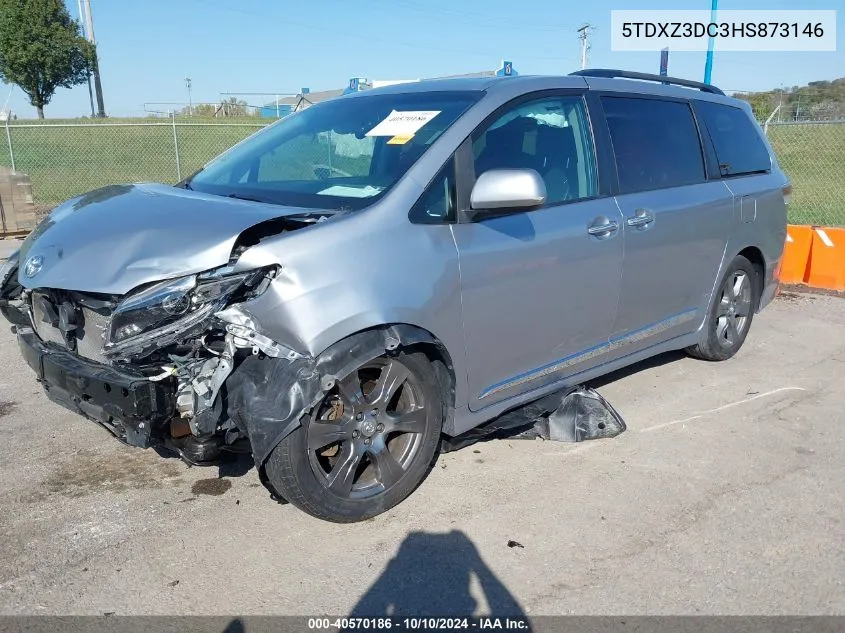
<point x="731" y="313"/>
<point x="367" y="445"/>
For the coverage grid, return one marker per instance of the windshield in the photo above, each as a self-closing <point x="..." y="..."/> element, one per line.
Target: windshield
<point x="343" y="153"/>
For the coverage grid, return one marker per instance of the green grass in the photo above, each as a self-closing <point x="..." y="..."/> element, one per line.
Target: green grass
<point x="64" y="162"/>
<point x="813" y="156"/>
<point x="67" y="161"/>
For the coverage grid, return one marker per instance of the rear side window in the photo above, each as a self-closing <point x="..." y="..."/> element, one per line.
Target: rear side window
<point x="739" y="148"/>
<point x="655" y="142"/>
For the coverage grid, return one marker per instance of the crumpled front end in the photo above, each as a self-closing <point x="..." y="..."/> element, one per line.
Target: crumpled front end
<point x="170" y="363"/>
<point x="183" y="363"/>
<point x="151" y="365"/>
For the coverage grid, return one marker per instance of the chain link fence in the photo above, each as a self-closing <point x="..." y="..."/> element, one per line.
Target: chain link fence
<point x="812" y="153"/>
<point x="66" y="160"/>
<point x="63" y="160"/>
<point x="806" y="127"/>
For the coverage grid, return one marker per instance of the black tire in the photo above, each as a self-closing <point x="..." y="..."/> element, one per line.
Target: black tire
<point x="731" y="312"/>
<point x="325" y="480"/>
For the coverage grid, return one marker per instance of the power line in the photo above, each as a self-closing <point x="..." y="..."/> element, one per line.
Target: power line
<point x="485" y="19"/>
<point x="371" y="38"/>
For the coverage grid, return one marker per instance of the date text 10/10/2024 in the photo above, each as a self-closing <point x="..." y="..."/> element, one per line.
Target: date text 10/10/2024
<point x="387" y="623"/>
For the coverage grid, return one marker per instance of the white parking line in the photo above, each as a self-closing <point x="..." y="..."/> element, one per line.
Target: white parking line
<point x="722" y="408"/>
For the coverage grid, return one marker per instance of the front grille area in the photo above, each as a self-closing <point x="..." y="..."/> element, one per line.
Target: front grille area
<point x="91" y="334"/>
<point x="43" y="328"/>
<point x="87" y="337"/>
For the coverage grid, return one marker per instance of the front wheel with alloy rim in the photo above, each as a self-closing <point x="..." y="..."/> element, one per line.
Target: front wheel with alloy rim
<point x="367" y="445"/>
<point x="731" y="312"/>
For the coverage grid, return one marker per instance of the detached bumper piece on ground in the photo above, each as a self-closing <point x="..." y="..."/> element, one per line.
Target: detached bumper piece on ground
<point x="572" y="415"/>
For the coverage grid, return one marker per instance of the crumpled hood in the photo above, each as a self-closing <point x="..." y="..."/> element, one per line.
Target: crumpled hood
<point x="116" y="238"/>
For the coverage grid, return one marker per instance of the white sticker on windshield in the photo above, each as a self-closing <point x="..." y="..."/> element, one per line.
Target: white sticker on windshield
<point x="345" y="191"/>
<point x="403" y="123"/>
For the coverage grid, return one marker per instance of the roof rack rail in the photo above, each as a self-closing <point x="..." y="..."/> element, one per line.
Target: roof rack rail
<point x="628" y="74"/>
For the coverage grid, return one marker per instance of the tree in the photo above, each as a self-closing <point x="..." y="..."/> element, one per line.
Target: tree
<point x="234" y="107"/>
<point x="226" y="108"/>
<point x="41" y="49"/>
<point x="200" y="110"/>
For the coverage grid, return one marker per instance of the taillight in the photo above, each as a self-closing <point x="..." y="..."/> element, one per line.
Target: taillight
<point x="787" y="194"/>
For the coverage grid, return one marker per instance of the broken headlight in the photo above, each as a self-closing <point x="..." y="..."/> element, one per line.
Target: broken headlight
<point x="165" y="311"/>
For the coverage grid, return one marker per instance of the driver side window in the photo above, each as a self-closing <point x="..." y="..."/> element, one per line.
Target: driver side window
<point x="550" y="136"/>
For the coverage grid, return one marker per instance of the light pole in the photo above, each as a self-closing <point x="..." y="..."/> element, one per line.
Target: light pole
<point x="190" y="103"/>
<point x="708" y="64"/>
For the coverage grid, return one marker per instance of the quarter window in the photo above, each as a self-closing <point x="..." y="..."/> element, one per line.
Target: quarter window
<point x="739" y="148"/>
<point x="551" y="136"/>
<point x="437" y="204"/>
<point x="655" y="143"/>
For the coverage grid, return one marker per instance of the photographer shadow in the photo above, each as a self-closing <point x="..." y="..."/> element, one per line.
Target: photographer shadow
<point x="431" y="576"/>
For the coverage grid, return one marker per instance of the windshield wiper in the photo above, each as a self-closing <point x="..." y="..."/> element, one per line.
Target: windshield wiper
<point x="186" y="183"/>
<point x="249" y="198"/>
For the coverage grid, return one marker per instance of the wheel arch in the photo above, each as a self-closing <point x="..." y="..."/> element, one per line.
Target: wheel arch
<point x="267" y="396"/>
<point x="413" y="337"/>
<point x="758" y="261"/>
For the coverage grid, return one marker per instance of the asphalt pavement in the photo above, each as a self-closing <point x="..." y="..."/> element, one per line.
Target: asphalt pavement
<point x="726" y="495"/>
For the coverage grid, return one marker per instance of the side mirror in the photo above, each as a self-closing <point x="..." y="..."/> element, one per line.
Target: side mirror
<point x="508" y="189"/>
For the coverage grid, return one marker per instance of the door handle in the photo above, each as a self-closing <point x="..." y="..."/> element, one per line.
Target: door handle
<point x="605" y="228"/>
<point x="641" y="218"/>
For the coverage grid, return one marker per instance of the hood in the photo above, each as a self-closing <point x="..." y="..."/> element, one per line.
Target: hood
<point x="116" y="238"/>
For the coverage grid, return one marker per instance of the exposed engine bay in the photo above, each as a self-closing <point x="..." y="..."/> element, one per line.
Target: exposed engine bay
<point x="151" y="366"/>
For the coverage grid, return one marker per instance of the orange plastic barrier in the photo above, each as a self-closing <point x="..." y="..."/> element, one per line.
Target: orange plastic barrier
<point x="796" y="254"/>
<point x="826" y="268"/>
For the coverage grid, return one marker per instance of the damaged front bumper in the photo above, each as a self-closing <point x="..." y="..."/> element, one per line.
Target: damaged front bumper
<point x="125" y="402"/>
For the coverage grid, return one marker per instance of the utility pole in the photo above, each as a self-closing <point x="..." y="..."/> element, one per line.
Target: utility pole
<point x="90" y="89"/>
<point x="584" y="36"/>
<point x="190" y="102"/>
<point x="708" y="63"/>
<point x="98" y="88"/>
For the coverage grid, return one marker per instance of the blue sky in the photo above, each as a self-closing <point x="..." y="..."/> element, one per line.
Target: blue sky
<point x="148" y="48"/>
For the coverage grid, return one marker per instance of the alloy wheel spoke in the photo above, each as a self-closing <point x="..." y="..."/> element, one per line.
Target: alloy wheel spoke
<point x="322" y="434"/>
<point x="388" y="468"/>
<point x="724" y="306"/>
<point x="722" y="327"/>
<point x="350" y="390"/>
<point x="730" y="332"/>
<point x="743" y="306"/>
<point x="729" y="291"/>
<point x="393" y="376"/>
<point x="342" y="476"/>
<point x="739" y="283"/>
<point x="407" y="422"/>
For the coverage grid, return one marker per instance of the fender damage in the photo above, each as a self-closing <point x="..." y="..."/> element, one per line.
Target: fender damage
<point x="146" y="338"/>
<point x="205" y="380"/>
<point x="268" y="395"/>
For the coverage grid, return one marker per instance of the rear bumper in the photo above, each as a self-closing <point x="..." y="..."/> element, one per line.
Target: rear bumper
<point x="125" y="402"/>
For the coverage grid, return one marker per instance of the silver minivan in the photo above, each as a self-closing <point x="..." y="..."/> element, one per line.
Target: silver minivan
<point x="348" y="285"/>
